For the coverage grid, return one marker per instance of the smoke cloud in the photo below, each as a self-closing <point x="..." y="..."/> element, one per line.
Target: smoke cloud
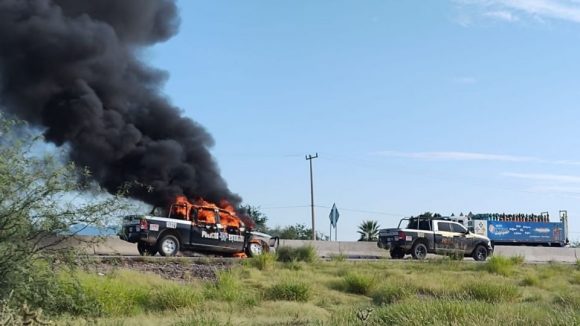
<point x="72" y="67"/>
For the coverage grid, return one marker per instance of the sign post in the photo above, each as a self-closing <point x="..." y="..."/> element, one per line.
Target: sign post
<point x="333" y="216"/>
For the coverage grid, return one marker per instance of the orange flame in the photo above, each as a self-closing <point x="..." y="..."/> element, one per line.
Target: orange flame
<point x="207" y="212"/>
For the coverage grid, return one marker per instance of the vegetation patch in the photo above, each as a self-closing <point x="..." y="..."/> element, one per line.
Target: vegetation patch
<point x="229" y="288"/>
<point x="357" y="283"/>
<point x="289" y="291"/>
<point x="305" y="253"/>
<point x="262" y="262"/>
<point x="338" y="257"/>
<point x="569" y="300"/>
<point x="389" y="294"/>
<point x="575" y="278"/>
<point x="492" y="292"/>
<point x="499" y="265"/>
<point x="530" y="280"/>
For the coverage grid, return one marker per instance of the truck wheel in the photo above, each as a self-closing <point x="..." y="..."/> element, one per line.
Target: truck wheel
<point x="145" y="249"/>
<point x="256" y="249"/>
<point x="419" y="251"/>
<point x="168" y="246"/>
<point x="479" y="253"/>
<point x="397" y="253"/>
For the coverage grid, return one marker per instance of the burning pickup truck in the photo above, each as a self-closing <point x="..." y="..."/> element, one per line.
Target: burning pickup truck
<point x="201" y="227"/>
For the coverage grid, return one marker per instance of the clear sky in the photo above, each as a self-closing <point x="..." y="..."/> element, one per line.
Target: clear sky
<point x="412" y="106"/>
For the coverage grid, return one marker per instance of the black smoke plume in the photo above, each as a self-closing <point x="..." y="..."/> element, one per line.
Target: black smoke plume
<point x="72" y="67"/>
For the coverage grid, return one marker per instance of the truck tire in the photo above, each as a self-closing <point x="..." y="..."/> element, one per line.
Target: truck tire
<point x="145" y="249"/>
<point x="256" y="249"/>
<point x="397" y="253"/>
<point x="419" y="251"/>
<point x="479" y="253"/>
<point x="168" y="246"/>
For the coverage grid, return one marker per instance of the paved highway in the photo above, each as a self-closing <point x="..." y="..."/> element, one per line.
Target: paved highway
<point x="357" y="250"/>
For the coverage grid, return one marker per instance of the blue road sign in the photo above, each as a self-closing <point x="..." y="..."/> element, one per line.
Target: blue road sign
<point x="334" y="215"/>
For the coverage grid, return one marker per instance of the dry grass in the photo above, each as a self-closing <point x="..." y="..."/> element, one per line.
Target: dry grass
<point x="348" y="293"/>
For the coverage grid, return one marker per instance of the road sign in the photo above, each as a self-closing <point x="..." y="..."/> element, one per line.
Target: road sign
<point x="334" y="215"/>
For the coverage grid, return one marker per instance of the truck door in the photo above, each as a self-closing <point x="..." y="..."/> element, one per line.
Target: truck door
<point x="443" y="237"/>
<point x="205" y="231"/>
<point x="460" y="240"/>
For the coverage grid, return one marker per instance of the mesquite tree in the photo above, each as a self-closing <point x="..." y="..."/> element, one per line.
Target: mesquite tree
<point x="40" y="199"/>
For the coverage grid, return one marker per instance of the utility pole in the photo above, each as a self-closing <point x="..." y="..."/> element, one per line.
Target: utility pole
<point x="310" y="158"/>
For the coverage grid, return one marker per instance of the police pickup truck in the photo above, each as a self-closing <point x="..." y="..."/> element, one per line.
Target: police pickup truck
<point x="440" y="236"/>
<point x="206" y="230"/>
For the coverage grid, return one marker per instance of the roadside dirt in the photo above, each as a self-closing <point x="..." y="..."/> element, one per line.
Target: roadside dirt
<point x="181" y="270"/>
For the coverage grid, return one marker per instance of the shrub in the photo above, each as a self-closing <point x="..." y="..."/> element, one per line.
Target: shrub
<point x="305" y="253"/>
<point x="492" y="292"/>
<point x="289" y="291"/>
<point x="499" y="265"/>
<point x="389" y="294"/>
<point x="358" y="283"/>
<point x="263" y="262"/>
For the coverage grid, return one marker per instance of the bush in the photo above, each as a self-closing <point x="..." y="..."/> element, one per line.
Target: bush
<point x="305" y="253"/>
<point x="499" y="265"/>
<point x="289" y="291"/>
<point x="389" y="294"/>
<point x="358" y="283"/>
<point x="492" y="292"/>
<point x="56" y="293"/>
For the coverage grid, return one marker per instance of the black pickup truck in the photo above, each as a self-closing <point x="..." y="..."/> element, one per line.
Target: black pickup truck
<point x="438" y="236"/>
<point x="168" y="236"/>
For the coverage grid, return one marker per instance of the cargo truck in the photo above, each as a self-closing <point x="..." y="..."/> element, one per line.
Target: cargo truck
<point x="521" y="229"/>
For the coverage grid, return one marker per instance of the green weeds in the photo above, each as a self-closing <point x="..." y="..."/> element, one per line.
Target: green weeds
<point x="357" y="283"/>
<point x="289" y="291"/>
<point x="306" y="254"/>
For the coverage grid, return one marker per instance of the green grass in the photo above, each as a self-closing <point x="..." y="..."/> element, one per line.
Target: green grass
<point x="349" y="293"/>
<point x="338" y="258"/>
<point x="389" y="294"/>
<point x="500" y="265"/>
<point x="530" y="280"/>
<point x="305" y="253"/>
<point x="357" y="283"/>
<point x="289" y="291"/>
<point x="492" y="292"/>
<point x="262" y="262"/>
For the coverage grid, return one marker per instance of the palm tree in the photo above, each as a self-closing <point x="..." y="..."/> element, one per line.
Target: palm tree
<point x="369" y="231"/>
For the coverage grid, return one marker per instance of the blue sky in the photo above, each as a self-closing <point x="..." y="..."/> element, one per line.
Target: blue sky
<point x="412" y="106"/>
